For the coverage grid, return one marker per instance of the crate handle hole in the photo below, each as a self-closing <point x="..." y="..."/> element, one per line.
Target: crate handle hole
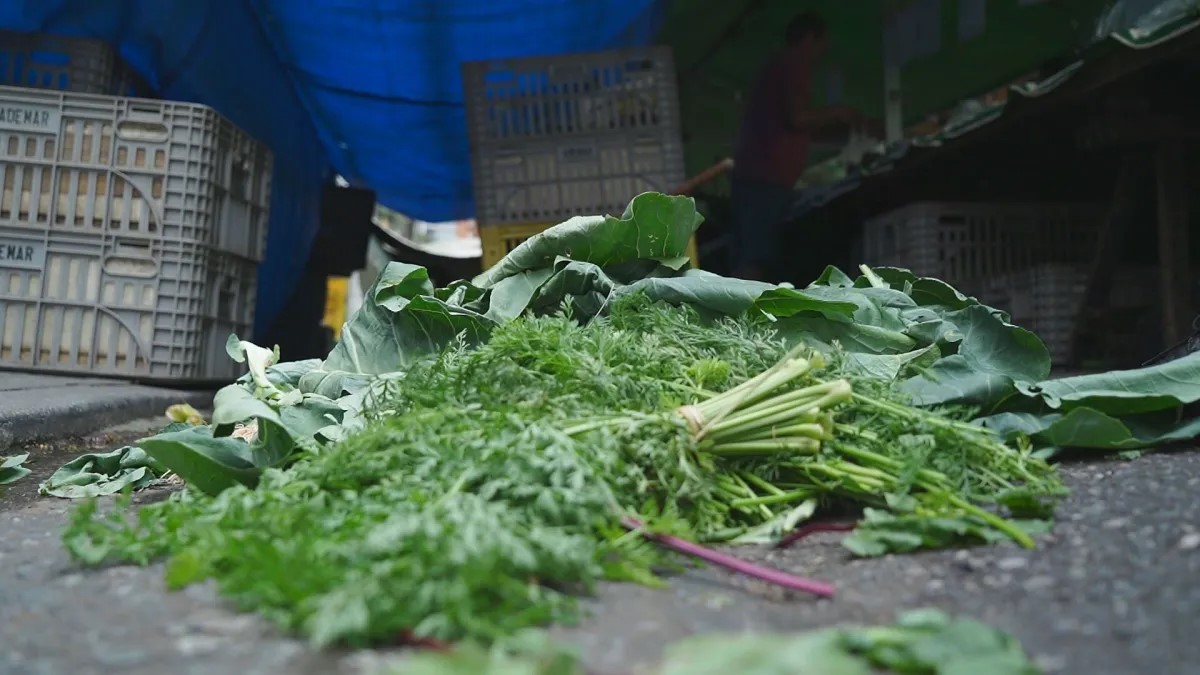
<point x="146" y="132"/>
<point x="130" y="266"/>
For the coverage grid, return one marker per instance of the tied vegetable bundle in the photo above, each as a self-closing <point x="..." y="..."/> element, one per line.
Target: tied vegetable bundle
<point x="491" y="485"/>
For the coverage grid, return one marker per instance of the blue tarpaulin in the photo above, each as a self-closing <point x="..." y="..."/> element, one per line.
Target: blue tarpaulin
<point x="367" y="88"/>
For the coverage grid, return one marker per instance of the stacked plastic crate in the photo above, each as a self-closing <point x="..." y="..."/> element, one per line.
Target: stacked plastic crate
<point x="563" y="136"/>
<point x="130" y="229"/>
<point x="1029" y="260"/>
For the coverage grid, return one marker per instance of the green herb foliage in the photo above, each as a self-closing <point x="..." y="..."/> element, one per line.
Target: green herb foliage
<point x="921" y="642"/>
<point x="483" y="493"/>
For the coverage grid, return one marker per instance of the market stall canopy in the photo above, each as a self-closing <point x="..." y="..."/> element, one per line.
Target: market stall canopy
<point x="377" y="81"/>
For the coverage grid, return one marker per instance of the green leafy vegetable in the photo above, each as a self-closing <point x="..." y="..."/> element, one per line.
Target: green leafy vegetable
<point x="463" y="463"/>
<point x="654" y="226"/>
<point x="486" y="489"/>
<point x="921" y="642"/>
<point x="11" y="469"/>
<point x="210" y="464"/>
<point x="105" y="473"/>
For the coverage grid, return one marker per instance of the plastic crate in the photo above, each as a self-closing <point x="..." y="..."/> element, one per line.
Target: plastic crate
<point x="538" y="98"/>
<point x="553" y="181"/>
<point x="963" y="243"/>
<point x="130" y="235"/>
<point x="498" y="241"/>
<point x="562" y="136"/>
<point x="1045" y="299"/>
<point x="141" y="169"/>
<point x="109" y="305"/>
<point x="80" y="65"/>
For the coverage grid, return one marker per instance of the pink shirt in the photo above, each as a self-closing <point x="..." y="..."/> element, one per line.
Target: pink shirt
<point x="768" y="149"/>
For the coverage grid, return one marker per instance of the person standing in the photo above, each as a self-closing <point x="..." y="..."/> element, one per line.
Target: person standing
<point x="771" y="154"/>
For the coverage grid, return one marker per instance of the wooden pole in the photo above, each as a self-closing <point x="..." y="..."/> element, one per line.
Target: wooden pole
<point x="1107" y="253"/>
<point x="1174" y="264"/>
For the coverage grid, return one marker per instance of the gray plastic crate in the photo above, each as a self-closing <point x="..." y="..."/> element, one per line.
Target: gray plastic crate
<point x="130" y="235"/>
<point x="104" y="304"/>
<point x="80" y="65"/>
<point x="1045" y="299"/>
<point x="561" y="136"/>
<point x="534" y="98"/>
<point x="964" y="242"/>
<point x="552" y="181"/>
<point x="153" y="170"/>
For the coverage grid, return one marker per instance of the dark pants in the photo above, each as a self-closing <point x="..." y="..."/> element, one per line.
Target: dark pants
<point x="758" y="210"/>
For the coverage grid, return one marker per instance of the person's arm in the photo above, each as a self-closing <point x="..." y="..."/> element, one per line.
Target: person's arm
<point x="817" y="120"/>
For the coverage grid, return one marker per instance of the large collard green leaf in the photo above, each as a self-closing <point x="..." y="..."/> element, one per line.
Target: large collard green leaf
<point x="925" y="291"/>
<point x="286" y="374"/>
<point x="984" y="355"/>
<point x="582" y="285"/>
<point x="734" y="297"/>
<point x="212" y="460"/>
<point x="834" y="277"/>
<point x="1087" y="428"/>
<point x="1119" y="410"/>
<point x="653" y="227"/>
<point x="879" y="307"/>
<point x="510" y="297"/>
<point x="889" y="366"/>
<point x="210" y="464"/>
<point x="103" y="473"/>
<point x="992" y="357"/>
<point x="1166" y="386"/>
<point x="704" y="290"/>
<point x="11" y="469"/>
<point x="402" y="319"/>
<point x="281" y="430"/>
<point x="851" y="335"/>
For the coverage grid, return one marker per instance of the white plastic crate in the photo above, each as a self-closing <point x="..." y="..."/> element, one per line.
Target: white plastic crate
<point x="965" y="243"/>
<point x="75" y="64"/>
<point x="539" y="98"/>
<point x="139" y="168"/>
<point x="561" y="136"/>
<point x="1045" y="299"/>
<point x="130" y="234"/>
<point x="552" y="181"/>
<point x="109" y="305"/>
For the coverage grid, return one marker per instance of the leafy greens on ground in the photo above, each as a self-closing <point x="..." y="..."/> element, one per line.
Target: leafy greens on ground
<point x="921" y="642"/>
<point x="12" y="468"/>
<point x="465" y="461"/>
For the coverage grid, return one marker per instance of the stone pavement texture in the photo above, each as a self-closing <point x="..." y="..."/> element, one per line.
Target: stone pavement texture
<point x="1113" y="590"/>
<point x="35" y="407"/>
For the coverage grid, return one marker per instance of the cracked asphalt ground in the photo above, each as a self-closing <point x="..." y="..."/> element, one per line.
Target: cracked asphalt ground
<point x="1114" y="589"/>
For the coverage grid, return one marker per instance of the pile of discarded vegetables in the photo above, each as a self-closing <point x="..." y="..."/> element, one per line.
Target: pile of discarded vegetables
<point x="470" y="460"/>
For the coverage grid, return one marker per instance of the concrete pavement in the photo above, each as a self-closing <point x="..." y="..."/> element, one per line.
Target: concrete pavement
<point x="1111" y="591"/>
<point x="36" y="407"/>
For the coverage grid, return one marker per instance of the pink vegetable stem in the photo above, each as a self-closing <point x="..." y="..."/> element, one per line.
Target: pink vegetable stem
<point x="736" y="564"/>
<point x="812" y="528"/>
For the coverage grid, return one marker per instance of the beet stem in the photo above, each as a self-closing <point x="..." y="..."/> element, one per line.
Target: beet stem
<point x="738" y="565"/>
<point x="812" y="528"/>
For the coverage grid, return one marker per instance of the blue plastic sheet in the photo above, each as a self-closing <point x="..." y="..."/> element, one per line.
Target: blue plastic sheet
<point x="382" y="79"/>
<point x="369" y="89"/>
